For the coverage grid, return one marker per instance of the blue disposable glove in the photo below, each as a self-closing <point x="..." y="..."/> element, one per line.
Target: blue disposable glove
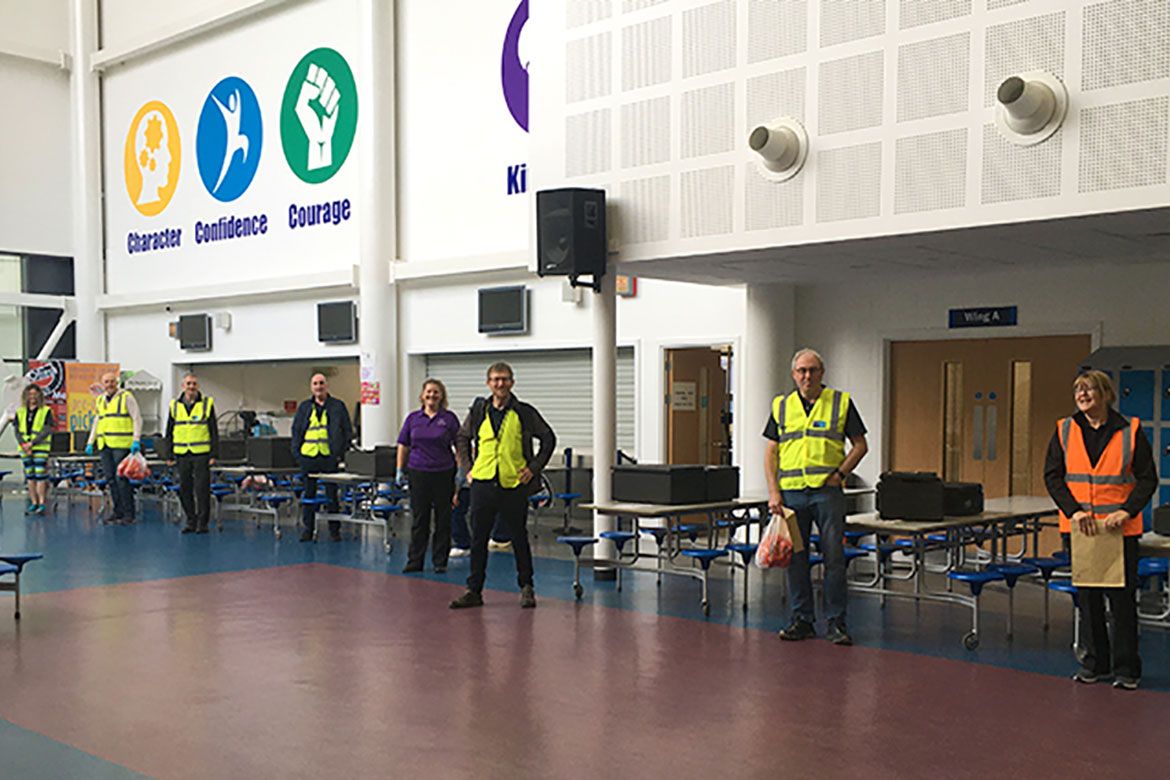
<point x="135" y="447"/>
<point x="89" y="449"/>
<point x="400" y="477"/>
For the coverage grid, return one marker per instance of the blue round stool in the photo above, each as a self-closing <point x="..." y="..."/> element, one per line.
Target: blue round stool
<point x="705" y="558"/>
<point x="578" y="543"/>
<point x="975" y="580"/>
<point x="746" y="552"/>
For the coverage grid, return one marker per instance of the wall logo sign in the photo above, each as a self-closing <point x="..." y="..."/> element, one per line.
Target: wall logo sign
<point x="514" y="70"/>
<point x="153" y="158"/>
<point x="318" y="116"/>
<point x="228" y="139"/>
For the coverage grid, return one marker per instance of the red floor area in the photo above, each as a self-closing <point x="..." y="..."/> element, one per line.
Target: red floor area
<point x="319" y="671"/>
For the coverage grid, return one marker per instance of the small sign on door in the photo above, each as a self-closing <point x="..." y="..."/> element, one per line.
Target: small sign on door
<point x="682" y="396"/>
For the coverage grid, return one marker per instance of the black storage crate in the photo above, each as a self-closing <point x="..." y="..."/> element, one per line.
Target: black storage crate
<point x="962" y="498"/>
<point x="269" y="452"/>
<point x="233" y="449"/>
<point x="910" y="495"/>
<point x="379" y="462"/>
<point x="1162" y="520"/>
<point x="657" y="483"/>
<point x="61" y="442"/>
<point x="80" y="439"/>
<point x="722" y="483"/>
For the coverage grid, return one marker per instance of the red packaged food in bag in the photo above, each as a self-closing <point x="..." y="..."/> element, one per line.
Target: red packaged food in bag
<point x="133" y="466"/>
<point x="779" y="541"/>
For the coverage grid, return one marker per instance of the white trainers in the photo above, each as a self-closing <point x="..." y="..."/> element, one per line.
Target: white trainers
<point x="459" y="552"/>
<point x="495" y="546"/>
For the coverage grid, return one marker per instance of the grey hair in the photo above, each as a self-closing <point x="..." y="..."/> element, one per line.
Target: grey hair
<point x="807" y="351"/>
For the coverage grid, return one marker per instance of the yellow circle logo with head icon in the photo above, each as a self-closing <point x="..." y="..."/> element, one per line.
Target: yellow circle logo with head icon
<point x="152" y="158"/>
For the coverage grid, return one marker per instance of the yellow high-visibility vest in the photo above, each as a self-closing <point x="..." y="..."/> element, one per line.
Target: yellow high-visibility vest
<point x="502" y="453"/>
<point x="192" y="434"/>
<point x="40" y="419"/>
<point x="317" y="435"/>
<point x="115" y="427"/>
<point x="812" y="446"/>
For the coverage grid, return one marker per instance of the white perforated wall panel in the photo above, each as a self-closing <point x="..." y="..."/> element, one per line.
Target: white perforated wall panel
<point x="849" y="182"/>
<point x="587" y="68"/>
<point x="1123" y="145"/>
<point x="579" y="12"/>
<point x="645" y="132"/>
<point x="934" y="77"/>
<point x="645" y="209"/>
<point x="587" y="143"/>
<point x="776" y="28"/>
<point x="851" y="20"/>
<point x="1125" y="42"/>
<point x="707" y="197"/>
<point x="770" y="204"/>
<point x="707" y="120"/>
<point x="708" y="38"/>
<point x="850" y="92"/>
<point x="1013" y="172"/>
<point x="774" y="95"/>
<point x="637" y="5"/>
<point x="993" y="5"/>
<point x="1029" y="44"/>
<point x="646" y="53"/>
<point x="930" y="171"/>
<point x="915" y="13"/>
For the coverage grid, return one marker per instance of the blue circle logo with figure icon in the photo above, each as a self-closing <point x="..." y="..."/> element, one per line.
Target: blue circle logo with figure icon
<point x="228" y="139"/>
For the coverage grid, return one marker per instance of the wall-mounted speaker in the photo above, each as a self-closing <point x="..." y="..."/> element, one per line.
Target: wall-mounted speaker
<point x="570" y="232"/>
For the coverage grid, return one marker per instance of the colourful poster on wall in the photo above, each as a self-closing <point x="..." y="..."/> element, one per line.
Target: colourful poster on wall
<point x="49" y="375"/>
<point x="83" y="383"/>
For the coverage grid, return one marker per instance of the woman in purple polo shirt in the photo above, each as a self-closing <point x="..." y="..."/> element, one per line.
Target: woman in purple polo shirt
<point x="426" y="449"/>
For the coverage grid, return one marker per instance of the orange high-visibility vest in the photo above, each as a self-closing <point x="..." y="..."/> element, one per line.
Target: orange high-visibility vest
<point x="1104" y="488"/>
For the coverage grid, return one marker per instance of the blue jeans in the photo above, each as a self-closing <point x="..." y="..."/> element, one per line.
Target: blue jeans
<point x="825" y="507"/>
<point x="120" y="490"/>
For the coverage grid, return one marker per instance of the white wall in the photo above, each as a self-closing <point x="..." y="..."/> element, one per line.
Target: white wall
<point x="456" y="135"/>
<point x="263" y="331"/>
<point x="35" y="211"/>
<point x="850" y="325"/>
<point x="438" y="319"/>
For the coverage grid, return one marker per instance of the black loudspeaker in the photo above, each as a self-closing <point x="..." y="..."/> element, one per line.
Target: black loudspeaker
<point x="570" y="232"/>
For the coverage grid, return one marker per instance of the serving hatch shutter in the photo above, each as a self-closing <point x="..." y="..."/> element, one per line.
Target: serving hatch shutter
<point x="559" y="383"/>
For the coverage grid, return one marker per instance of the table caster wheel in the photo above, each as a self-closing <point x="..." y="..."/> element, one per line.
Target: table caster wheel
<point x="706" y="609"/>
<point x="277" y="532"/>
<point x="578" y="591"/>
<point x="971" y="640"/>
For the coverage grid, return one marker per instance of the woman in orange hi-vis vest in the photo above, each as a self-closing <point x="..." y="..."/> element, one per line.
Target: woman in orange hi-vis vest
<point x="1100" y="472"/>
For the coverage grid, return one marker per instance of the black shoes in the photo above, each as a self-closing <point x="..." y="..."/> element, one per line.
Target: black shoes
<point x="469" y="599"/>
<point x="440" y="568"/>
<point x="307" y="536"/>
<point x="202" y="531"/>
<point x="527" y="597"/>
<point x="1126" y="683"/>
<point x="187" y="530"/>
<point x="1088" y="676"/>
<point x="411" y="568"/>
<point x="837" y="633"/>
<point x="797" y="630"/>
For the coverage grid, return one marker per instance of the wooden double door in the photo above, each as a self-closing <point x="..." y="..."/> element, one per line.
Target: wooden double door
<point x="981" y="410"/>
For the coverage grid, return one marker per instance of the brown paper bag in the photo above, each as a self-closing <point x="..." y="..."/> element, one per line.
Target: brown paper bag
<point x="1098" y="561"/>
<point x="793" y="529"/>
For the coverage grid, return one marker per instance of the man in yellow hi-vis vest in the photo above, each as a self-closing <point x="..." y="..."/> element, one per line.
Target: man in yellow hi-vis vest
<point x="806" y="465"/>
<point x="193" y="437"/>
<point x="116" y="431"/>
<point x="503" y="470"/>
<point x="321" y="433"/>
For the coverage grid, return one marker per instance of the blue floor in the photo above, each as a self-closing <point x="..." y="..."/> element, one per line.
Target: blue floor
<point x="79" y="552"/>
<point x="27" y="754"/>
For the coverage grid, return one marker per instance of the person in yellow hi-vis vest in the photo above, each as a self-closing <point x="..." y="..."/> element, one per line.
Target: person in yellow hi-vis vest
<point x="193" y="437"/>
<point x="494" y="446"/>
<point x="34" y="422"/>
<point x="806" y="464"/>
<point x="116" y="431"/>
<point x="321" y="433"/>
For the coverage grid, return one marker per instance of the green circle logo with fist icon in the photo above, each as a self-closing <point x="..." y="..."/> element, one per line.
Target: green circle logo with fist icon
<point x="318" y="116"/>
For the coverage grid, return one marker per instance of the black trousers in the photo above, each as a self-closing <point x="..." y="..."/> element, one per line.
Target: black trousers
<point x="1123" y="654"/>
<point x="195" y="489"/>
<point x="430" y="498"/>
<point x="487" y="500"/>
<point x="318" y="465"/>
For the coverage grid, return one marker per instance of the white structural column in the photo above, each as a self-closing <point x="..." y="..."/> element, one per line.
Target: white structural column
<point x="86" y="190"/>
<point x="378" y="299"/>
<point x="604" y="306"/>
<point x="768" y="343"/>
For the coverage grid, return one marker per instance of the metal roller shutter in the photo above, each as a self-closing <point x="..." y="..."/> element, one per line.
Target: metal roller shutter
<point x="557" y="382"/>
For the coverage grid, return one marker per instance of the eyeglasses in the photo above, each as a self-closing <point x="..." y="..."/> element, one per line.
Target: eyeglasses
<point x="813" y="370"/>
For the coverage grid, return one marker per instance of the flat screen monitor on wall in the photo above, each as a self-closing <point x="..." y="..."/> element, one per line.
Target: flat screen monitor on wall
<point x="337" y="322"/>
<point x="195" y="332"/>
<point x="503" y="309"/>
